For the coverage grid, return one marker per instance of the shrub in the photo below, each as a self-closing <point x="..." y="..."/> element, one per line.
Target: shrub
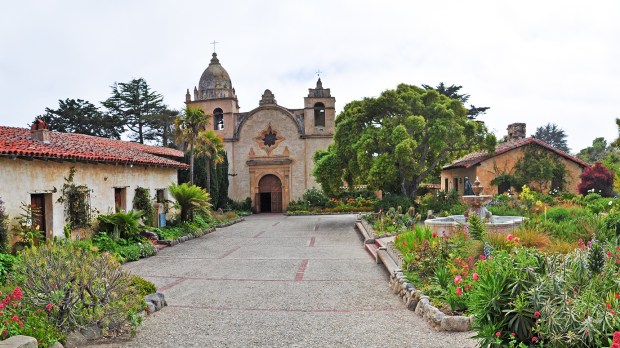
<point x="81" y="287"/>
<point x="121" y="224"/>
<point x="135" y="251"/>
<point x="7" y="262"/>
<point x="393" y="201"/>
<point x="315" y="197"/>
<point x="18" y="318"/>
<point x="597" y="179"/>
<point x="190" y="199"/>
<point x="144" y="286"/>
<point x="476" y="226"/>
<point x="442" y="203"/>
<point x="142" y="202"/>
<point x="4" y="232"/>
<point x="245" y="205"/>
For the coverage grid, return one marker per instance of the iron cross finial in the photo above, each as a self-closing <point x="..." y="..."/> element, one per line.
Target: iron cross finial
<point x="213" y="43"/>
<point x="318" y="73"/>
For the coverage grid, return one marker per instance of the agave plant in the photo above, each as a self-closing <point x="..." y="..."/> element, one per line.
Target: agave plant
<point x="190" y="199"/>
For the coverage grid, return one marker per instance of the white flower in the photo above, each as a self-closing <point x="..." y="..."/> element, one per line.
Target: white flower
<point x="610" y="203"/>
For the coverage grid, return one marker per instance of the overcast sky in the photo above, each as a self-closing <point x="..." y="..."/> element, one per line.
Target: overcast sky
<point x="530" y="61"/>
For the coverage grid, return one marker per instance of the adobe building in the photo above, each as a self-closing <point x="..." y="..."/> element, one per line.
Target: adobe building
<point x="487" y="166"/>
<point x="35" y="162"/>
<point x="270" y="149"/>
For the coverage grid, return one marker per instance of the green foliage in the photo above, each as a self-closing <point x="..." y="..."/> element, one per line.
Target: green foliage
<point x="596" y="257"/>
<point x="396" y="141"/>
<point x="245" y="205"/>
<point x="4" y="229"/>
<point x="124" y="250"/>
<point x="81" y="287"/>
<point x="442" y="203"/>
<point x="188" y="127"/>
<point x="20" y="318"/>
<point x="137" y="106"/>
<point x="76" y="199"/>
<point x="24" y="227"/>
<point x="476" y="226"/>
<point x="121" y="224"/>
<point x="552" y="135"/>
<point x="190" y="199"/>
<point x="142" y="202"/>
<point x="144" y="286"/>
<point x="7" y="262"/>
<point x="393" y="201"/>
<point x="315" y="197"/>
<point x="219" y="183"/>
<point x="567" y="223"/>
<point x="81" y="116"/>
<point x="541" y="168"/>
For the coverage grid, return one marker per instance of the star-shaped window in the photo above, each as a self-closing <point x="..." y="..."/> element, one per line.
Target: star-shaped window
<point x="270" y="139"/>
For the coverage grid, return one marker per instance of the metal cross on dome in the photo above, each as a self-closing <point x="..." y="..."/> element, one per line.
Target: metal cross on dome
<point x="318" y="73"/>
<point x="213" y="43"/>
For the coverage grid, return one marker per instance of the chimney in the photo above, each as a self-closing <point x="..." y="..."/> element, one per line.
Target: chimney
<point x="516" y="131"/>
<point x="40" y="132"/>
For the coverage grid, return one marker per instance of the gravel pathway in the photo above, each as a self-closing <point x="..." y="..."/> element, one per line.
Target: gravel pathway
<point x="277" y="281"/>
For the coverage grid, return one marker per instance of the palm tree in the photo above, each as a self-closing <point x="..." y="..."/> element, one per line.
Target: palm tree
<point x="212" y="146"/>
<point x="189" y="199"/>
<point x="188" y="127"/>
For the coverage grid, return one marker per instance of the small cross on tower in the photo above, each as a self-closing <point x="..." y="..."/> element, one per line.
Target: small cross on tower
<point x="213" y="43"/>
<point x="318" y="73"/>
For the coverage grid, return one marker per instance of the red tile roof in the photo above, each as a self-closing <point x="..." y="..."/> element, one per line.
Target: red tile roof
<point x="80" y="147"/>
<point x="474" y="158"/>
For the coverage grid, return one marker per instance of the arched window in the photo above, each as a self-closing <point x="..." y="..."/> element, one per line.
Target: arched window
<point x="319" y="115"/>
<point x="218" y="119"/>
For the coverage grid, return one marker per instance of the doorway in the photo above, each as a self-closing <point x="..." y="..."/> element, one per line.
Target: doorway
<point x="38" y="211"/>
<point x="270" y="194"/>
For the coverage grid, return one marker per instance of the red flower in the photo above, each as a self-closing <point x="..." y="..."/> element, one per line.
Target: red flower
<point x="498" y="334"/>
<point x="513" y="334"/>
<point x="534" y="339"/>
<point x="617" y="295"/>
<point x="615" y="345"/>
<point x="5" y="333"/>
<point x="434" y="234"/>
<point x="459" y="292"/>
<point x="15" y="318"/>
<point x="49" y="307"/>
<point x="17" y="294"/>
<point x="475" y="276"/>
<point x="537" y="314"/>
<point x="587" y="332"/>
<point x="612" y="312"/>
<point x="509" y="237"/>
<point x="482" y="257"/>
<point x="608" y="306"/>
<point x="458" y="279"/>
<point x="617" y="337"/>
<point x="404" y="243"/>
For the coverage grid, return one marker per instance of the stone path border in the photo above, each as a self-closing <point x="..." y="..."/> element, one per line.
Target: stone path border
<point x="413" y="298"/>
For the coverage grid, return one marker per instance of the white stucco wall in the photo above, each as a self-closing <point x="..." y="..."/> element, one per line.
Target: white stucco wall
<point x="21" y="178"/>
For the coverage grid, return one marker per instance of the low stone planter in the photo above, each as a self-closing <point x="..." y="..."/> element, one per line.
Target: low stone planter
<point x="371" y="231"/>
<point x="230" y="223"/>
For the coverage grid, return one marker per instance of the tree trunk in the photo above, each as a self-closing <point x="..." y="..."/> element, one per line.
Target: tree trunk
<point x="191" y="164"/>
<point x="209" y="175"/>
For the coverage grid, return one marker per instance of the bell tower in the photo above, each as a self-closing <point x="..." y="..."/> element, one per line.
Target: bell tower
<point x="216" y="97"/>
<point x="319" y="111"/>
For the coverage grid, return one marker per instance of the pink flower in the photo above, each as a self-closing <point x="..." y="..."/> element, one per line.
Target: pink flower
<point x="459" y="292"/>
<point x="513" y="334"/>
<point x="617" y="337"/>
<point x="482" y="257"/>
<point x="434" y="234"/>
<point x="458" y="279"/>
<point x="615" y="345"/>
<point x="475" y="276"/>
<point x="537" y="314"/>
<point x="509" y="237"/>
<point x="534" y="339"/>
<point x="17" y="294"/>
<point x="587" y="332"/>
<point x="49" y="307"/>
<point x="15" y="318"/>
<point x="498" y="334"/>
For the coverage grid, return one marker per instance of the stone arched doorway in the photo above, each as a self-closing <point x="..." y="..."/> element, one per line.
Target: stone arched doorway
<point x="269" y="194"/>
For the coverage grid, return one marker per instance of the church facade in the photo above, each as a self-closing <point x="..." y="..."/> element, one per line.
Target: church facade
<point x="270" y="149"/>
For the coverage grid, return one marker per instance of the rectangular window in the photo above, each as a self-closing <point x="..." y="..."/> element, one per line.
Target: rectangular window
<point x="445" y="184"/>
<point x="456" y="184"/>
<point x="160" y="195"/>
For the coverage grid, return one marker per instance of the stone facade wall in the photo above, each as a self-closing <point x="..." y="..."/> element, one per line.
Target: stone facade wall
<point x="487" y="170"/>
<point x="294" y="147"/>
<point x="21" y="178"/>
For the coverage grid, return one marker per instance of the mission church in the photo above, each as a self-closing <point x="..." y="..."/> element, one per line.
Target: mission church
<point x="270" y="149"/>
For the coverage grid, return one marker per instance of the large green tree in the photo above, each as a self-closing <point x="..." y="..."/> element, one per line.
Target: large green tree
<point x="211" y="146"/>
<point x="162" y="127"/>
<point x="398" y="140"/>
<point x="81" y="116"/>
<point x="137" y="106"/>
<point x="552" y="135"/>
